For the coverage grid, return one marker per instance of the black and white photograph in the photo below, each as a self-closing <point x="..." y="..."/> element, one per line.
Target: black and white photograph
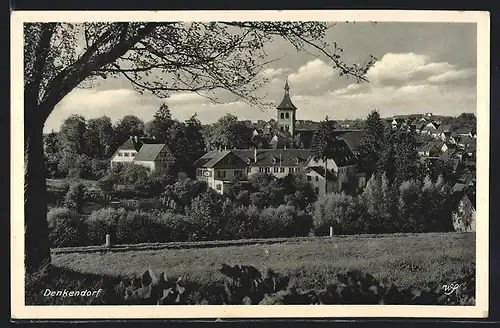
<point x="198" y="161"/>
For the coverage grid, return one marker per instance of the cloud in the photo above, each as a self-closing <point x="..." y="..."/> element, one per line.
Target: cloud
<point x="271" y="73"/>
<point x="186" y="98"/>
<point x="315" y="76"/>
<point x="389" y="100"/>
<point x="401" y="68"/>
<point x="453" y="76"/>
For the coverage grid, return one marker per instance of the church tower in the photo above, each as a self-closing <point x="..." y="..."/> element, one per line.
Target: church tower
<point x="286" y="113"/>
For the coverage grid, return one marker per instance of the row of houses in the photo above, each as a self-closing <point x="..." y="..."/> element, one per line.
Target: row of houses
<point x="222" y="168"/>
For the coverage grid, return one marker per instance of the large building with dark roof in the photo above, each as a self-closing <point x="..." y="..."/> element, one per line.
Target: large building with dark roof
<point x="221" y="168"/>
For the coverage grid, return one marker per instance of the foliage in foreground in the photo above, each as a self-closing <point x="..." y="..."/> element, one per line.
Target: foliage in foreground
<point x="246" y="285"/>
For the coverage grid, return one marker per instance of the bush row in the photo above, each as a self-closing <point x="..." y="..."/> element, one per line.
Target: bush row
<point x="67" y="228"/>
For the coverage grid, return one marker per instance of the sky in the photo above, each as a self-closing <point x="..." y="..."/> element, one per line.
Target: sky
<point x="420" y="67"/>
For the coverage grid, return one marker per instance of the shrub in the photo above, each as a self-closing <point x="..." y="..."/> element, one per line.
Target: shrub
<point x="102" y="222"/>
<point x="75" y="197"/>
<point x="332" y="210"/>
<point x="205" y="212"/>
<point x="137" y="227"/>
<point x="65" y="227"/>
<point x="176" y="227"/>
<point x="99" y="167"/>
<point x="277" y="222"/>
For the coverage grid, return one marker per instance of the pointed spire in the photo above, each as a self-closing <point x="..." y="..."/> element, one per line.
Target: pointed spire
<point x="286" y="103"/>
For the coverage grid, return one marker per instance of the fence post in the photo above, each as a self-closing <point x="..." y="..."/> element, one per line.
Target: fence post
<point x="108" y="240"/>
<point x="331" y="231"/>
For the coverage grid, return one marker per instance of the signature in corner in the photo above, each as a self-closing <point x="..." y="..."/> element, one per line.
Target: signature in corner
<point x="450" y="289"/>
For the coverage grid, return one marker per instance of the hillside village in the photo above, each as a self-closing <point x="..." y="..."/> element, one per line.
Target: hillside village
<point x="273" y="164"/>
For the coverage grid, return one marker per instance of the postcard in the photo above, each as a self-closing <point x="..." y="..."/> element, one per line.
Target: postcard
<point x="249" y="164"/>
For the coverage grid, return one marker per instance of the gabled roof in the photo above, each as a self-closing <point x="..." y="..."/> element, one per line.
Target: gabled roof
<point x="209" y="157"/>
<point x="265" y="157"/>
<point x="351" y="137"/>
<point x="149" y="152"/>
<point x="429" y="146"/>
<point x="448" y="154"/>
<point x="465" y="140"/>
<point x="431" y="126"/>
<point x="321" y="171"/>
<point x="134" y="144"/>
<point x="462" y="130"/>
<point x="342" y="154"/>
<point x="458" y="187"/>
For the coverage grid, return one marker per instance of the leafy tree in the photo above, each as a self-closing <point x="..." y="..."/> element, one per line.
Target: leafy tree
<point x="323" y="142"/>
<point x="52" y="154"/>
<point x="129" y="125"/>
<point x="372" y="142"/>
<point x="400" y="159"/>
<point x="206" y="213"/>
<point x="196" y="144"/>
<point x="75" y="197"/>
<point x="100" y="137"/>
<point x="72" y="145"/>
<point x="410" y="207"/>
<point x="178" y="197"/>
<point x="194" y="57"/>
<point x="161" y="124"/>
<point x="331" y="210"/>
<point x="229" y="132"/>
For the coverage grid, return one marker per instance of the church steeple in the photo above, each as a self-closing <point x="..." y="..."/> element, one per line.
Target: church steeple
<point x="286" y="113"/>
<point x="286" y="103"/>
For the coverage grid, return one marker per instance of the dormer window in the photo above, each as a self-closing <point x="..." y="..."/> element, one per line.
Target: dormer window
<point x="274" y="160"/>
<point x="296" y="160"/>
<point x="248" y="160"/>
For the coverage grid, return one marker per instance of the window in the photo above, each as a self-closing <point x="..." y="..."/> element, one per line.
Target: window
<point x="282" y="170"/>
<point x="309" y="178"/>
<point x="133" y="154"/>
<point x="261" y="169"/>
<point x="221" y="174"/>
<point x="268" y="169"/>
<point x="317" y="179"/>
<point x="287" y="127"/>
<point x="125" y="154"/>
<point x="282" y="115"/>
<point x="316" y="190"/>
<point x="219" y="187"/>
<point x="120" y="154"/>
<point x="282" y="128"/>
<point x="276" y="169"/>
<point x="237" y="174"/>
<point x="287" y="115"/>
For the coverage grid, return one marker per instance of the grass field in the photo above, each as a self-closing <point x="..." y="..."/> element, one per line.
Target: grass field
<point x="406" y="260"/>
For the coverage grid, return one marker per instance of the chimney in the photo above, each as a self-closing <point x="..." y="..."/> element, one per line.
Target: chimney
<point x="255" y="155"/>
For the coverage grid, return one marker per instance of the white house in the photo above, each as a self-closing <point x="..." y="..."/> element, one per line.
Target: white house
<point x="140" y="151"/>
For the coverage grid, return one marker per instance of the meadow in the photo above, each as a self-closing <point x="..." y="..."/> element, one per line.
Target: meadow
<point x="403" y="259"/>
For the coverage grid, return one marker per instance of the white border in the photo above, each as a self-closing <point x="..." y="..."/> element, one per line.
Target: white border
<point x="20" y="311"/>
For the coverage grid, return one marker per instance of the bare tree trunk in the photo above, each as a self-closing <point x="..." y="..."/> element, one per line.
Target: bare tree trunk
<point x="37" y="250"/>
